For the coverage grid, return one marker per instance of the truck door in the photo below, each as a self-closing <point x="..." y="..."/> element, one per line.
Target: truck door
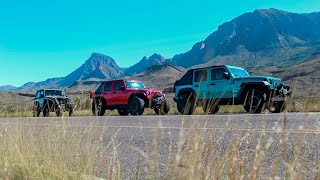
<point x="220" y="83"/>
<point x="118" y="94"/>
<point x="107" y="93"/>
<point x="200" y="83"/>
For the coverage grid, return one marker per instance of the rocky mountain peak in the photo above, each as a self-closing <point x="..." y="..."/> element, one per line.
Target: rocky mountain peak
<point x="261" y="31"/>
<point x="145" y="63"/>
<point x="98" y="66"/>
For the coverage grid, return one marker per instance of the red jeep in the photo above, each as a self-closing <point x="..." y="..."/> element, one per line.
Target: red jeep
<point x="128" y="96"/>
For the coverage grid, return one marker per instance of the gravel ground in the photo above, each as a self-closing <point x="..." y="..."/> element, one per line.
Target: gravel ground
<point x="153" y="141"/>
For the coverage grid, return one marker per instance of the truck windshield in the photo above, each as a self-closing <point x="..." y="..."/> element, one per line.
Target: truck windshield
<point x="238" y="72"/>
<point x="136" y="85"/>
<point x="54" y="93"/>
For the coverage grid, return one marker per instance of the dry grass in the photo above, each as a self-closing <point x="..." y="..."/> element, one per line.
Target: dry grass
<point x="60" y="151"/>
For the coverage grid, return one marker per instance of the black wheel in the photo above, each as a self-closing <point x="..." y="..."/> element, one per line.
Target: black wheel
<point x="36" y="111"/>
<point x="164" y="108"/>
<point x="136" y="106"/>
<point x="187" y="104"/>
<point x="98" y="108"/>
<point x="123" y="112"/>
<point x="210" y="107"/>
<point x="255" y="101"/>
<point x="46" y="111"/>
<point x="58" y="112"/>
<point x="278" y="107"/>
<point x="71" y="110"/>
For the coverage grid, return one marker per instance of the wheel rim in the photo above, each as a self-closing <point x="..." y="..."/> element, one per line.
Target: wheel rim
<point x="254" y="102"/>
<point x="134" y="106"/>
<point x="99" y="107"/>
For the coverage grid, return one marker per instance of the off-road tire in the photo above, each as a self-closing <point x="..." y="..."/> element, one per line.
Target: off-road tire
<point x="71" y="110"/>
<point x="36" y="111"/>
<point x="98" y="108"/>
<point x="46" y="111"/>
<point x="58" y="112"/>
<point x="255" y="101"/>
<point x="210" y="108"/>
<point x="164" y="108"/>
<point x="123" y="112"/>
<point x="279" y="107"/>
<point x="186" y="105"/>
<point x="136" y="106"/>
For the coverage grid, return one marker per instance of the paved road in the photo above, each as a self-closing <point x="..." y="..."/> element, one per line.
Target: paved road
<point x="136" y="138"/>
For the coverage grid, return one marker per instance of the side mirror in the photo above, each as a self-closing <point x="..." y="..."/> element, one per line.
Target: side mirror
<point x="122" y="88"/>
<point x="226" y="75"/>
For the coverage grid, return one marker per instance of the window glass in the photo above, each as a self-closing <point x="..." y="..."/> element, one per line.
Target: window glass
<point x="200" y="76"/>
<point x="107" y="87"/>
<point x="54" y="93"/>
<point x="118" y="85"/>
<point x="238" y="72"/>
<point x="99" y="90"/>
<point x="41" y="94"/>
<point x="186" y="79"/>
<point x="218" y="73"/>
<point x="38" y="95"/>
<point x="135" y="85"/>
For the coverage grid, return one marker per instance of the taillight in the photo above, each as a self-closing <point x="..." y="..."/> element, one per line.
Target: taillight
<point x="91" y="94"/>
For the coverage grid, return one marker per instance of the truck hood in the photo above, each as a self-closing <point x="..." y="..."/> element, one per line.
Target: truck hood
<point x="152" y="92"/>
<point x="272" y="80"/>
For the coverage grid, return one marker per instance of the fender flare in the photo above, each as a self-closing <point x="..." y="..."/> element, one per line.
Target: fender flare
<point x="188" y="90"/>
<point x="104" y="102"/>
<point x="252" y="85"/>
<point x="138" y="94"/>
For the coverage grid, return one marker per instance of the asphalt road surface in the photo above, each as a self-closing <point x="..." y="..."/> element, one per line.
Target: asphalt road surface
<point x="134" y="137"/>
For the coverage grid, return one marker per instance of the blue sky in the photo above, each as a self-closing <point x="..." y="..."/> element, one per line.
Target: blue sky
<point x="43" y="39"/>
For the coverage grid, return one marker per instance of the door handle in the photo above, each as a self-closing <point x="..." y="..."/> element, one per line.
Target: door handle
<point x="213" y="84"/>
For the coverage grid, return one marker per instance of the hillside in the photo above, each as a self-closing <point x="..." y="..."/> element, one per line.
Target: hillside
<point x="304" y="78"/>
<point x="160" y="76"/>
<point x="259" y="38"/>
<point x="7" y="88"/>
<point x="145" y="63"/>
<point x="98" y="66"/>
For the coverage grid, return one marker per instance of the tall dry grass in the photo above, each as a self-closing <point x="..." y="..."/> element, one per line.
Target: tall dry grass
<point x="60" y="149"/>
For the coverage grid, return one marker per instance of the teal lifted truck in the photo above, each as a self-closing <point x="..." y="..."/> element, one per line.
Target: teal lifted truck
<point x="213" y="86"/>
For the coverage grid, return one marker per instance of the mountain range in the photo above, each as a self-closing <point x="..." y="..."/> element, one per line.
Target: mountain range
<point x="266" y="41"/>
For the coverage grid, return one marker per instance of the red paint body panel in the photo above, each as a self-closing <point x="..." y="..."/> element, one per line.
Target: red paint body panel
<point x="115" y="97"/>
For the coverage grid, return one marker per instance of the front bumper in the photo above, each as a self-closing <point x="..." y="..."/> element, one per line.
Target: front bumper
<point x="64" y="105"/>
<point x="282" y="94"/>
<point x="158" y="100"/>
